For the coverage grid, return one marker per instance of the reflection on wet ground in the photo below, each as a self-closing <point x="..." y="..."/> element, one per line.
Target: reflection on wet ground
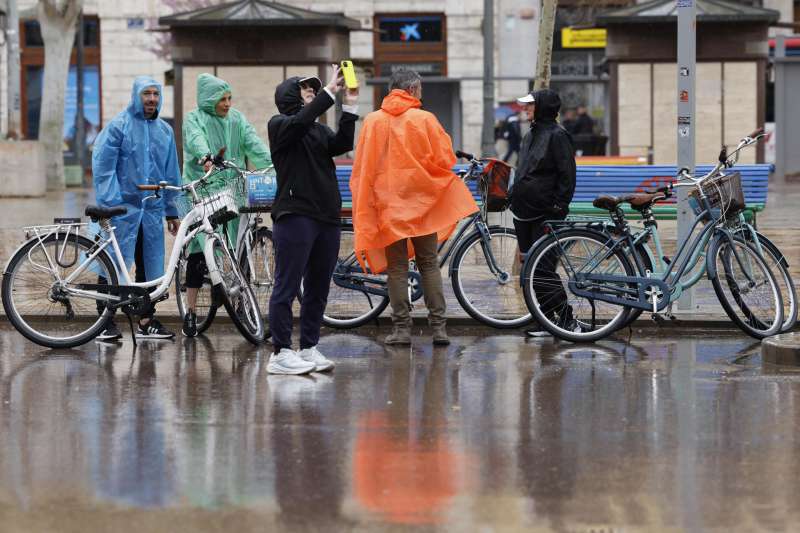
<point x="495" y="432"/>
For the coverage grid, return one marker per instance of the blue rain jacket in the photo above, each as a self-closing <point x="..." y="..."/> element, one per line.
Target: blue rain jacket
<point x="133" y="150"/>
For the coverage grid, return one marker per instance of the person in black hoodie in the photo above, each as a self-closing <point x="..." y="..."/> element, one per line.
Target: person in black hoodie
<point x="545" y="183"/>
<point x="306" y="213"/>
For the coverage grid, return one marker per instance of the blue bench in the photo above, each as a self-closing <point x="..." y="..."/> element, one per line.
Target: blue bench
<point x="594" y="180"/>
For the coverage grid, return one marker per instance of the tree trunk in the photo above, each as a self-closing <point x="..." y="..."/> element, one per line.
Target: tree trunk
<point x="547" y="22"/>
<point x="57" y="20"/>
<point x="12" y="48"/>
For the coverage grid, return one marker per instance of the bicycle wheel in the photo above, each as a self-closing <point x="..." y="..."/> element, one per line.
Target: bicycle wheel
<point x="38" y="302"/>
<point x="259" y="268"/>
<point x="550" y="268"/>
<point x="350" y="304"/>
<point x="237" y="295"/>
<point x="780" y="269"/>
<point x="494" y="299"/>
<point x="205" y="308"/>
<point x="745" y="287"/>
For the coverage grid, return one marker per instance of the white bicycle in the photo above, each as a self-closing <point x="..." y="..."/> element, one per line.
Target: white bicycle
<point x="50" y="285"/>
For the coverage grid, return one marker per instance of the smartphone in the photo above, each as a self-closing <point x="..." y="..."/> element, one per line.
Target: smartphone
<point x="350" y="80"/>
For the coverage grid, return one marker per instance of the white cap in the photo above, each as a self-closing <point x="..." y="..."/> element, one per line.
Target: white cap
<point x="527" y="99"/>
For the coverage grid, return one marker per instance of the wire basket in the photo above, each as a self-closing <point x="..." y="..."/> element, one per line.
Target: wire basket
<point x="220" y="203"/>
<point x="724" y="193"/>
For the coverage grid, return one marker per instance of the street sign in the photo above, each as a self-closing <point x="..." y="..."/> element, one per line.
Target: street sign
<point x="587" y="38"/>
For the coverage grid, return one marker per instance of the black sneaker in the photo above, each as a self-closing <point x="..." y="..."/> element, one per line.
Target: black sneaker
<point x="153" y="330"/>
<point x="190" y="324"/>
<point x="110" y="334"/>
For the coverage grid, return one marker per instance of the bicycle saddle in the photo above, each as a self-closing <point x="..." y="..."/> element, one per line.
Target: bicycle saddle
<point x="95" y="212"/>
<point x="637" y="201"/>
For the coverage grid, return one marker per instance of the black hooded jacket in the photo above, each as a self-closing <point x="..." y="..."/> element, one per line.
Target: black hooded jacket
<point x="545" y="177"/>
<point x="303" y="151"/>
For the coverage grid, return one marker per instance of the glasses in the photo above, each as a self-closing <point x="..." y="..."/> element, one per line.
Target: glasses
<point x="305" y="86"/>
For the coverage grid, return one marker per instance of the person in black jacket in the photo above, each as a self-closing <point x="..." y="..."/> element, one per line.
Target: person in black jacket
<point x="545" y="183"/>
<point x="513" y="134"/>
<point x="306" y="213"/>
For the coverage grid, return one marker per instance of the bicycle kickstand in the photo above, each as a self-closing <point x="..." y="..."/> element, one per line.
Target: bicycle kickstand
<point x="133" y="331"/>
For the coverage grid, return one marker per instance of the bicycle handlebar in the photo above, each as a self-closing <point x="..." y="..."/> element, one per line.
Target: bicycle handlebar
<point x="464" y="155"/>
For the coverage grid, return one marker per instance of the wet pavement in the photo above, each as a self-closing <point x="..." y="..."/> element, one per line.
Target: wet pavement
<point x="493" y="433"/>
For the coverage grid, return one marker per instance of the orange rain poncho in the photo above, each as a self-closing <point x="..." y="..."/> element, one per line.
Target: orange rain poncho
<point x="403" y="183"/>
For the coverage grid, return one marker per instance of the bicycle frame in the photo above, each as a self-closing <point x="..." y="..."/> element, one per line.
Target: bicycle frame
<point x="660" y="290"/>
<point x="196" y="222"/>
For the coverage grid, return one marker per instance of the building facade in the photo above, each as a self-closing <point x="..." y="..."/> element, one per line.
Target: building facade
<point x="441" y="39"/>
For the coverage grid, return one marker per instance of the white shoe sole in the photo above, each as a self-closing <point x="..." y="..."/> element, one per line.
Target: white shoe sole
<point x="324" y="367"/>
<point x="273" y="368"/>
<point x="108" y="339"/>
<point x="146" y="336"/>
<point x="538" y="334"/>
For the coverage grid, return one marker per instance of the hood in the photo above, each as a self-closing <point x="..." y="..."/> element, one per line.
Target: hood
<point x="287" y="96"/>
<point x="139" y="85"/>
<point x="548" y="103"/>
<point x="398" y="102"/>
<point x="209" y="91"/>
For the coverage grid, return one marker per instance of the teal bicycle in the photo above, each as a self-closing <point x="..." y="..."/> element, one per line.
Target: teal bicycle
<point x="588" y="278"/>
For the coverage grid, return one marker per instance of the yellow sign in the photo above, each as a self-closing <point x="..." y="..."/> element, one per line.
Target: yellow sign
<point x="589" y="38"/>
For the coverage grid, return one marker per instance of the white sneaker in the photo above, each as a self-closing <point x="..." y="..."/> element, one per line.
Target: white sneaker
<point x="288" y="362"/>
<point x="312" y="355"/>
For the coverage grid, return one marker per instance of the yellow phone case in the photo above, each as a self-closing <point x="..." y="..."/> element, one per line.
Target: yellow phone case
<point x="350" y="80"/>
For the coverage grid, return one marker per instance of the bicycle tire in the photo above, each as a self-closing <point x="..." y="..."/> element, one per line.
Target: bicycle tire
<point x="777" y="262"/>
<point x="237" y="296"/>
<point x="566" y="322"/>
<point x="497" y="303"/>
<point x="757" y="321"/>
<point x="205" y="308"/>
<point x="14" y="282"/>
<point x="350" y="307"/>
<point x="259" y="268"/>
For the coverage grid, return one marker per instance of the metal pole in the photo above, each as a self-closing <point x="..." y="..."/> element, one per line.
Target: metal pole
<point x="547" y="24"/>
<point x="487" y="133"/>
<point x="687" y="62"/>
<point x="12" y="49"/>
<point x="80" y="129"/>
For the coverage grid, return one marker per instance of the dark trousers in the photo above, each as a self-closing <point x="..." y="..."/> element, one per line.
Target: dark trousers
<point x="306" y="251"/>
<point x="547" y="283"/>
<point x="140" y="275"/>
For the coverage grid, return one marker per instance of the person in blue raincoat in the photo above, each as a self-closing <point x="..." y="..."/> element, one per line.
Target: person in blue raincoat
<point x="136" y="148"/>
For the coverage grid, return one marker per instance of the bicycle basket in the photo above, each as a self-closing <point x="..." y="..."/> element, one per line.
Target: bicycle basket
<point x="220" y="203"/>
<point x="261" y="186"/>
<point x="495" y="181"/>
<point x="724" y="193"/>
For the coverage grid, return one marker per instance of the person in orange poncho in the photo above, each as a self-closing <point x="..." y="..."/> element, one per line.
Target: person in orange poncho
<point x="404" y="188"/>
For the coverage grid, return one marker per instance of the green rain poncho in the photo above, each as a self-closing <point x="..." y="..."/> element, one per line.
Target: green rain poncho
<point x="206" y="132"/>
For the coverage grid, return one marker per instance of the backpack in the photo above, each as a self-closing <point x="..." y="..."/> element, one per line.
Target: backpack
<point x="496" y="182"/>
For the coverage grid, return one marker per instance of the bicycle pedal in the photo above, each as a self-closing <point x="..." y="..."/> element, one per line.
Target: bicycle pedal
<point x="161" y="298"/>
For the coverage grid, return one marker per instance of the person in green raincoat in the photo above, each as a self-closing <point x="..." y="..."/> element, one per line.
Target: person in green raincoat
<point x="215" y="124"/>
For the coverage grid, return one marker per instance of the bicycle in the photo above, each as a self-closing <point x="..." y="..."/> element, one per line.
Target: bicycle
<point x="607" y="277"/>
<point x="483" y="259"/>
<point x="647" y="241"/>
<point x="50" y="291"/>
<point x="254" y="254"/>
